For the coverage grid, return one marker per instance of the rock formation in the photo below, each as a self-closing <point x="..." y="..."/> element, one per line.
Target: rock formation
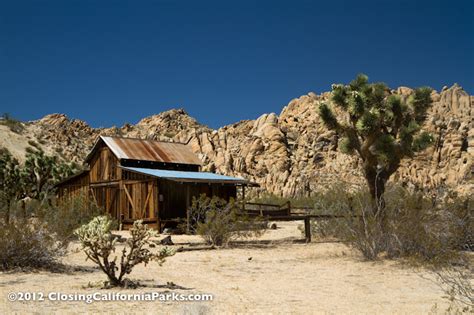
<point x="289" y="154"/>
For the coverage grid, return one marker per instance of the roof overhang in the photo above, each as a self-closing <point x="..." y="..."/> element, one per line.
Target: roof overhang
<point x="191" y="177"/>
<point x="65" y="180"/>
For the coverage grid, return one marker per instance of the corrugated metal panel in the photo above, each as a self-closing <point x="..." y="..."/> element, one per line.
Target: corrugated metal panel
<point x="188" y="176"/>
<point x="150" y="150"/>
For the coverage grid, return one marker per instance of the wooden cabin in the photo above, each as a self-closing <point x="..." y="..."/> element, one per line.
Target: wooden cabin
<point x="154" y="181"/>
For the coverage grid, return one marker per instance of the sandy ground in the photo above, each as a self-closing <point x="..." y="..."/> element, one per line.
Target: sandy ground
<point x="279" y="276"/>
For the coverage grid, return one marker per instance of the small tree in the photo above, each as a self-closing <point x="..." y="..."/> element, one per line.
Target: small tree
<point x="377" y="125"/>
<point x="98" y="243"/>
<point x="42" y="171"/>
<point x="11" y="182"/>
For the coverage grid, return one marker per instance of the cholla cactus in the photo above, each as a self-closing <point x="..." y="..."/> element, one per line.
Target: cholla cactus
<point x="377" y="125"/>
<point x="99" y="245"/>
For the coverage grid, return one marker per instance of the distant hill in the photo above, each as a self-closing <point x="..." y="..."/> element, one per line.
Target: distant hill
<point x="288" y="154"/>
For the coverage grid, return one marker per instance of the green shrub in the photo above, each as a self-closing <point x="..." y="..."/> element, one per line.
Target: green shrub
<point x="218" y="222"/>
<point x="99" y="245"/>
<point x="26" y="244"/>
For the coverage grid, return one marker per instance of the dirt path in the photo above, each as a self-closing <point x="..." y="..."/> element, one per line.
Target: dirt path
<point x="280" y="277"/>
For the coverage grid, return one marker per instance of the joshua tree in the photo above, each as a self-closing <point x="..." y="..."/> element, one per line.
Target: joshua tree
<point x="377" y="125"/>
<point x="42" y="171"/>
<point x="11" y="184"/>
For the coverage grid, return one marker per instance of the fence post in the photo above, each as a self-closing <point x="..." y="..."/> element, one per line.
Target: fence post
<point x="307" y="229"/>
<point x="243" y="198"/>
<point x="188" y="211"/>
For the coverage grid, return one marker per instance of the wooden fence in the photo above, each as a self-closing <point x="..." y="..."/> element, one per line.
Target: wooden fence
<point x="286" y="212"/>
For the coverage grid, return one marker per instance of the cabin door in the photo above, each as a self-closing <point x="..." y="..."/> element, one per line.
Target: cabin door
<point x="140" y="200"/>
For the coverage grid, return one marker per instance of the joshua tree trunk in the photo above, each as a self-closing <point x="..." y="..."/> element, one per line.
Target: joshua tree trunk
<point x="376" y="182"/>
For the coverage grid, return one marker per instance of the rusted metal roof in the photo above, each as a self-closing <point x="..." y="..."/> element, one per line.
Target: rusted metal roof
<point x="149" y="150"/>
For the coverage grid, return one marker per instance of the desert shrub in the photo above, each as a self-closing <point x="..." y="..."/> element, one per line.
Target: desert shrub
<point x="358" y="225"/>
<point x="65" y="217"/>
<point x="456" y="283"/>
<point x="427" y="228"/>
<point x="218" y="222"/>
<point x="461" y="212"/>
<point x="99" y="245"/>
<point x="13" y="124"/>
<point x="26" y="244"/>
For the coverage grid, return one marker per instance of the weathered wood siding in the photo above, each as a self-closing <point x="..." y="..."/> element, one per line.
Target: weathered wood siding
<point x="75" y="187"/>
<point x="104" y="166"/>
<point x="139" y="199"/>
<point x="108" y="199"/>
<point x="128" y="196"/>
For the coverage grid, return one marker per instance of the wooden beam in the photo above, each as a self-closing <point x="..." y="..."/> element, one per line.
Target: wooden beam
<point x="156" y="204"/>
<point x="104" y="184"/>
<point x="120" y="206"/>
<point x="137" y="181"/>
<point x="188" y="214"/>
<point x="93" y="195"/>
<point x="129" y="197"/>
<point x="111" y="201"/>
<point x="307" y="230"/>
<point x="106" y="168"/>
<point x="150" y="191"/>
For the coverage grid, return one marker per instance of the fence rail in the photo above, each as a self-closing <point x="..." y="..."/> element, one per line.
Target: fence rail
<point x="286" y="212"/>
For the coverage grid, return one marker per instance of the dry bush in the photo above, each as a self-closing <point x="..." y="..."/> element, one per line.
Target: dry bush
<point x="99" y="245"/>
<point x="38" y="233"/>
<point x="63" y="219"/>
<point x="428" y="228"/>
<point x="358" y="225"/>
<point x="218" y="222"/>
<point x="24" y="244"/>
<point x="456" y="283"/>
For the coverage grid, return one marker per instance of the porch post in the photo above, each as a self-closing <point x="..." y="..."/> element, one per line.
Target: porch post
<point x="188" y="214"/>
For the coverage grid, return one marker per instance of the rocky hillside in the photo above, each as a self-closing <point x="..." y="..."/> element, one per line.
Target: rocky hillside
<point x="288" y="154"/>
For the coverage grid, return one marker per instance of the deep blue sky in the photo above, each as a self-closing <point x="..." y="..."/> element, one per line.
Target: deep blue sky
<point x="111" y="62"/>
